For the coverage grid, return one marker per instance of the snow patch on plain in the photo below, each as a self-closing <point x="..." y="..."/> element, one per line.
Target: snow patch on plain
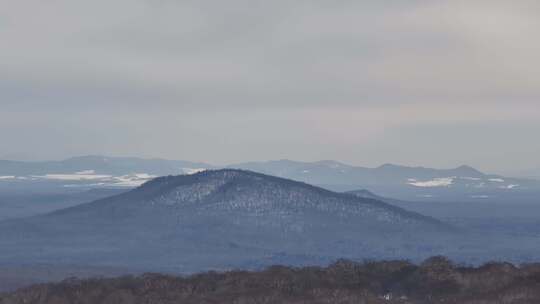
<point x="86" y="172"/>
<point x="437" y="182"/>
<point x="132" y="180"/>
<point x="73" y="177"/>
<point x="511" y="186"/>
<point x="190" y="171"/>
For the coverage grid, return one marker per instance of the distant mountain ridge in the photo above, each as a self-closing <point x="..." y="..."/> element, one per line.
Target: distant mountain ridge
<point x="340" y="173"/>
<point x="91" y="172"/>
<point x="99" y="165"/>
<point x="463" y="183"/>
<point x="125" y="165"/>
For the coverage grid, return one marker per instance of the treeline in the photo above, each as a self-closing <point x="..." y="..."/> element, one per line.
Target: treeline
<point x="437" y="280"/>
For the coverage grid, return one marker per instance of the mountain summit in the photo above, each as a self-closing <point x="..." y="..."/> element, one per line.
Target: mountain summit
<point x="250" y="194"/>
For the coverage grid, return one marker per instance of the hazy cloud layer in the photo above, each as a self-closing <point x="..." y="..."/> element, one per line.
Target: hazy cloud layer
<point x="437" y="83"/>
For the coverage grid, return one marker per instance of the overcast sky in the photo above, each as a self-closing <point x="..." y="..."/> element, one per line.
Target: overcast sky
<point x="433" y="83"/>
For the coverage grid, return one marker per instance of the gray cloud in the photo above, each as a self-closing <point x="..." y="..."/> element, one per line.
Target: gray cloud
<point x="259" y="79"/>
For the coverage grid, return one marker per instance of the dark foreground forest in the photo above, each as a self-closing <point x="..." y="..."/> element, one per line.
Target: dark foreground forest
<point x="436" y="280"/>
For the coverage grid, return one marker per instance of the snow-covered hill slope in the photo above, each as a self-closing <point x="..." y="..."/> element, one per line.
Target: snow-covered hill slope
<point x="219" y="219"/>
